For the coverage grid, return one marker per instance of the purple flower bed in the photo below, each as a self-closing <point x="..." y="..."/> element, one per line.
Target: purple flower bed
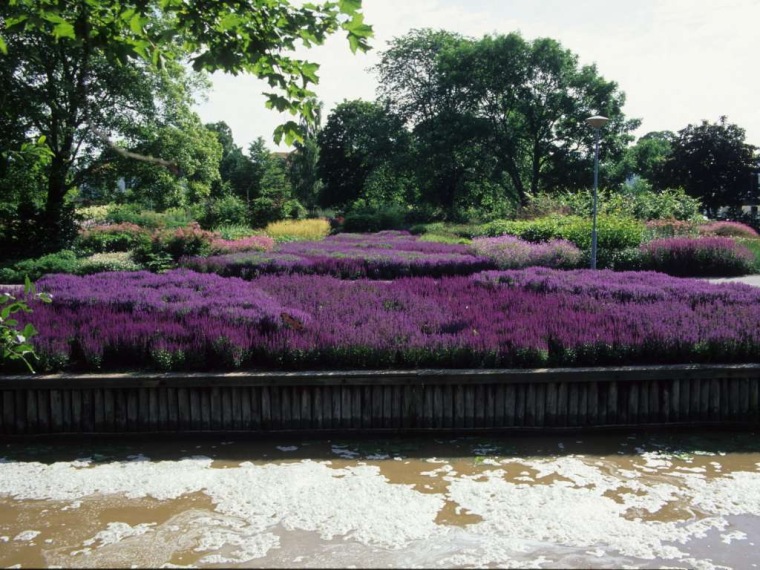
<point x="531" y="318"/>
<point x="697" y="257"/>
<point x="510" y="252"/>
<point x="383" y="255"/>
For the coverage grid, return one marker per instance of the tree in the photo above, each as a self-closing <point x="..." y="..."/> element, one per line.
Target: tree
<point x="359" y="137"/>
<point x="521" y="102"/>
<point x="66" y="61"/>
<point x="303" y="171"/>
<point x="644" y="160"/>
<point x="235" y="169"/>
<point x="271" y="193"/>
<point x="712" y="162"/>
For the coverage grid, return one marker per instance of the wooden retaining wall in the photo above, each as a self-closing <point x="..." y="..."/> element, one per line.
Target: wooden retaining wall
<point x="381" y="400"/>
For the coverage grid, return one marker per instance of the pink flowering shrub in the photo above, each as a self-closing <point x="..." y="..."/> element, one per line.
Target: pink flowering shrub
<point x="509" y="252"/>
<point x="666" y="228"/>
<point x="697" y="257"/>
<point x="727" y="229"/>
<point x="108" y="238"/>
<point x="221" y="246"/>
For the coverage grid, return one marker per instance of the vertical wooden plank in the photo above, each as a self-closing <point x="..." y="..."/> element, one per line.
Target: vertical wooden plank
<point x="100" y="409"/>
<point x="266" y="409"/>
<point x="196" y="416"/>
<point x="143" y="408"/>
<point x="344" y="411"/>
<point x="540" y="404"/>
<point x="9" y="412"/>
<point x="225" y="397"/>
<point x="550" y="414"/>
<point x="665" y="389"/>
<point x="744" y="399"/>
<point x="685" y="407"/>
<point x="327" y="405"/>
<point x="407" y="415"/>
<point x="530" y="404"/>
<point x="109" y="410"/>
<point x="204" y="403"/>
<point x="183" y="409"/>
<point x="521" y="392"/>
<point x="734" y="399"/>
<point x="130" y="397"/>
<point x="642" y="416"/>
<point x="725" y="399"/>
<point x="356" y="407"/>
<point x="480" y="403"/>
<point x="366" y="392"/>
<point x="215" y="405"/>
<point x="376" y="406"/>
<point x="286" y="407"/>
<point x="582" y="403"/>
<point x="119" y="410"/>
<point x="655" y="402"/>
<point x="573" y="398"/>
<point x="592" y="415"/>
<point x="603" y="389"/>
<point x="613" y="417"/>
<point x="754" y="399"/>
<point x="255" y="403"/>
<point x="303" y="397"/>
<point x="459" y="406"/>
<point x="398" y="409"/>
<point x="510" y="405"/>
<point x="88" y="411"/>
<point x="335" y="409"/>
<point x="675" y="400"/>
<point x="43" y="411"/>
<point x="438" y="406"/>
<point x="469" y="405"/>
<point x="427" y="406"/>
<point x="56" y="411"/>
<point x="499" y="416"/>
<point x="239" y="397"/>
<point x="633" y="402"/>
<point x="172" y="403"/>
<point x="275" y="398"/>
<point x="21" y="420"/>
<point x="562" y="404"/>
<point x="695" y="399"/>
<point x="66" y="401"/>
<point x="448" y="406"/>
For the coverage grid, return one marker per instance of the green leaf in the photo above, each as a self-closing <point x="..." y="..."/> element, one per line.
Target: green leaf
<point x="136" y="24"/>
<point x="64" y="30"/>
<point x="3" y="47"/>
<point x="350" y="7"/>
<point x="309" y="71"/>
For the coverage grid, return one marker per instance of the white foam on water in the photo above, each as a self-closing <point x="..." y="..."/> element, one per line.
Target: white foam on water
<point x="116" y="532"/>
<point x="729" y="537"/>
<point x="26" y="535"/>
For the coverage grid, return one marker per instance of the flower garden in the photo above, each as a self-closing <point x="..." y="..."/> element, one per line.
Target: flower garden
<point x="392" y="300"/>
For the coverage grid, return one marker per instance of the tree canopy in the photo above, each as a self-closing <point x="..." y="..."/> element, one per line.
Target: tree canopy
<point x="712" y="162"/>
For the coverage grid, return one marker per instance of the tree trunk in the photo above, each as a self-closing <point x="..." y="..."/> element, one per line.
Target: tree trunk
<point x="57" y="225"/>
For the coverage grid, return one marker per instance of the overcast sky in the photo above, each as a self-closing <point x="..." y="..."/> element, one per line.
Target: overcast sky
<point x="678" y="61"/>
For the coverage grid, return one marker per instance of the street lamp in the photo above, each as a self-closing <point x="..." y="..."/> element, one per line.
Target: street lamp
<point x="596" y="122"/>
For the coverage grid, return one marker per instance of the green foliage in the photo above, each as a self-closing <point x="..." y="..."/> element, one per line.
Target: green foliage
<point x="134" y="214"/>
<point x="644" y="204"/>
<point x="374" y="219"/>
<point x="614" y="233"/>
<point x="64" y="261"/>
<point x="111" y="238"/>
<point x="712" y="162"/>
<point x="15" y="342"/>
<point x="227" y="210"/>
<point x="100" y="262"/>
<point x="754" y="246"/>
<point x="167" y="246"/>
<point x="361" y="142"/>
<point x="235" y="231"/>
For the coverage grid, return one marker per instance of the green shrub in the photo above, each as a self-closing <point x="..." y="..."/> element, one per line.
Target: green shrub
<point x="166" y="246"/>
<point x="64" y="261"/>
<point x="111" y="238"/>
<point x="614" y="233"/>
<point x="236" y="231"/>
<point x="99" y="262"/>
<point x="171" y="218"/>
<point x="374" y="219"/>
<point x="225" y="211"/>
<point x="754" y="246"/>
<point x="641" y="204"/>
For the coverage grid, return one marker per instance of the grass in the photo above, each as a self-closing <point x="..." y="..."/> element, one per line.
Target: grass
<point x="298" y="230"/>
<point x="754" y="246"/>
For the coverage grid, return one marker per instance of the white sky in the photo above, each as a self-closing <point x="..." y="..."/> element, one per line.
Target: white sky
<point x="678" y="61"/>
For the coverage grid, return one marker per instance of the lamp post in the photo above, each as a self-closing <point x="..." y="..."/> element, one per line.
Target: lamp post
<point x="596" y="122"/>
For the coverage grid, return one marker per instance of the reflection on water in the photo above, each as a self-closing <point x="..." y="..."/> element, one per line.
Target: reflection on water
<point x="603" y="501"/>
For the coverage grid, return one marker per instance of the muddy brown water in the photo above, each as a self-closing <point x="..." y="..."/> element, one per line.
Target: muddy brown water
<point x="637" y="500"/>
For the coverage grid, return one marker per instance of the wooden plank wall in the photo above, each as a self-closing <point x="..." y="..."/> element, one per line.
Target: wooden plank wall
<point x="413" y="402"/>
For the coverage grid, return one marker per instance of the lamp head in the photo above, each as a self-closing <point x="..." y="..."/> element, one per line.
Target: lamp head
<point x="597" y="121"/>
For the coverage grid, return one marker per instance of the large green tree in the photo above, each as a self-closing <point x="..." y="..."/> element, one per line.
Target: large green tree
<point x="712" y="162"/>
<point x="359" y="137"/>
<point x="522" y="102"/>
<point x="64" y="63"/>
